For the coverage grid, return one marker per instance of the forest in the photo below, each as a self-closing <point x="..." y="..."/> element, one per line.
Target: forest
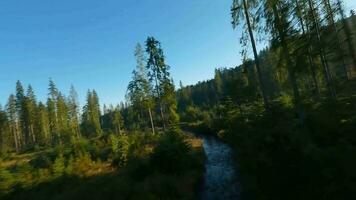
<point x="288" y="113"/>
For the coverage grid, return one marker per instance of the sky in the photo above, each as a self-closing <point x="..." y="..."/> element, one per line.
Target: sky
<point x="90" y="43"/>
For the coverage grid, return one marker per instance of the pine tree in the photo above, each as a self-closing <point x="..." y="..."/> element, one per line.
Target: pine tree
<point x="316" y="26"/>
<point x="43" y="124"/>
<point x="22" y="113"/>
<point x="276" y="12"/>
<point x="14" y="122"/>
<point x="159" y="76"/>
<point x="52" y="112"/>
<point x="300" y="14"/>
<point x="31" y="113"/>
<point x="348" y="33"/>
<point x="156" y="67"/>
<point x="62" y="117"/>
<point x="73" y="106"/>
<point x="240" y="9"/>
<point x="91" y="115"/>
<point x="139" y="89"/>
<point x="330" y="15"/>
<point x="3" y="129"/>
<point x="52" y="118"/>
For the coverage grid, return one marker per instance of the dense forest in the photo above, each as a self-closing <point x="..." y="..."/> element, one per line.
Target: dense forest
<point x="287" y="112"/>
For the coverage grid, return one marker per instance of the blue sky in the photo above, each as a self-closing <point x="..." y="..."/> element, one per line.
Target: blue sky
<point x="90" y="43"/>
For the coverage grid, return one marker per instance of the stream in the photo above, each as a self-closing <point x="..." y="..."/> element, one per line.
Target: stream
<point x="220" y="178"/>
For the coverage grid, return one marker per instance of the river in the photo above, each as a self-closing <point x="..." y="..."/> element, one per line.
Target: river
<point x="220" y="178"/>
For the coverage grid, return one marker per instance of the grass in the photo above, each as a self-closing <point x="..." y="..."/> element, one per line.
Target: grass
<point x="49" y="175"/>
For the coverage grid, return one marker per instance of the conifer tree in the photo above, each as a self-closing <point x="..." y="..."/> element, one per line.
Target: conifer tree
<point x="31" y="113"/>
<point x="43" y="124"/>
<point x="14" y="122"/>
<point x="21" y="112"/>
<point x="73" y="106"/>
<point x="241" y="9"/>
<point x="158" y="74"/>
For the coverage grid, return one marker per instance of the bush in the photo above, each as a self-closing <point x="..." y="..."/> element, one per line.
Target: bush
<point x="120" y="147"/>
<point x="59" y="166"/>
<point x="171" y="154"/>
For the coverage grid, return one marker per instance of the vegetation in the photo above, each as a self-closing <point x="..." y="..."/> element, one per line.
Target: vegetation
<point x="53" y="151"/>
<point x="299" y="143"/>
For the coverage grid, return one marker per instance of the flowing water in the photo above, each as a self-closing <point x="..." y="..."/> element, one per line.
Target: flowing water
<point x="220" y="179"/>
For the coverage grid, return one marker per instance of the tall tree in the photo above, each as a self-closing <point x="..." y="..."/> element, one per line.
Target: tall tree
<point x="62" y="117"/>
<point x="4" y="131"/>
<point x="91" y="115"/>
<point x="276" y="15"/>
<point x="52" y="111"/>
<point x="241" y="9"/>
<point x="73" y="106"/>
<point x="140" y="89"/>
<point x="31" y="113"/>
<point x="21" y="112"/>
<point x="348" y="33"/>
<point x="159" y="75"/>
<point x="316" y="26"/>
<point x="43" y="124"/>
<point x="330" y="15"/>
<point x="300" y="14"/>
<point x="14" y="122"/>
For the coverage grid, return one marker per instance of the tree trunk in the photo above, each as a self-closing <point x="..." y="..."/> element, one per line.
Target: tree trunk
<point x="151" y="119"/>
<point x="348" y="34"/>
<point x="160" y="103"/>
<point x="255" y="54"/>
<point x="18" y="136"/>
<point x="17" y="146"/>
<point x="328" y="77"/>
<point x="33" y="137"/>
<point x="309" y="52"/>
<point x="330" y="14"/>
<point x="291" y="74"/>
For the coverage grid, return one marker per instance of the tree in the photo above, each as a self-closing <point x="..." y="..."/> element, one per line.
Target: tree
<point x="326" y="70"/>
<point x="156" y="67"/>
<point x="117" y="120"/>
<point x="14" y="122"/>
<point x="159" y="76"/>
<point x="299" y="12"/>
<point x="21" y="112"/>
<point x="4" y="129"/>
<point x="140" y="89"/>
<point x="91" y="115"/>
<point x="277" y="19"/>
<point x="348" y="33"/>
<point x="73" y="107"/>
<point x="62" y="117"/>
<point x="52" y="119"/>
<point x="240" y="9"/>
<point x="52" y="111"/>
<point x="43" y="124"/>
<point x="31" y="113"/>
<point x="331" y="19"/>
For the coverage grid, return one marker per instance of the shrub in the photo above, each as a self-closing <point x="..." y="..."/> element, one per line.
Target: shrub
<point x="120" y="146"/>
<point x="171" y="154"/>
<point x="58" y="166"/>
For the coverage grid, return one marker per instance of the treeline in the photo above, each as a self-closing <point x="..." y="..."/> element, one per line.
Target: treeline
<point x="28" y="124"/>
<point x="311" y="55"/>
